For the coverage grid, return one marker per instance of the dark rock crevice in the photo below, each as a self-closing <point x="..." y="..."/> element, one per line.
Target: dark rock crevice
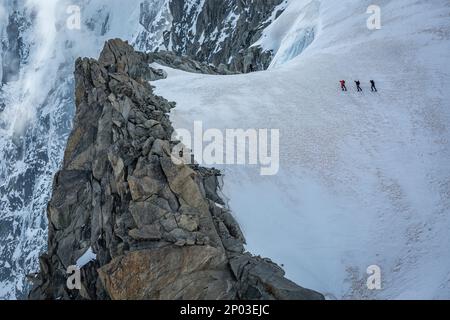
<point x="156" y="226"/>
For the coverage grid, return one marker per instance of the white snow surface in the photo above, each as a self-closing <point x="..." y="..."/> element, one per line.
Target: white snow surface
<point x="86" y="258"/>
<point x="365" y="178"/>
<point x="288" y="36"/>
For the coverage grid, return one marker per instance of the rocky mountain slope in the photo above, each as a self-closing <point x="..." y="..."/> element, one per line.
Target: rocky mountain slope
<point x="35" y="121"/>
<point x="153" y="222"/>
<point x="216" y="32"/>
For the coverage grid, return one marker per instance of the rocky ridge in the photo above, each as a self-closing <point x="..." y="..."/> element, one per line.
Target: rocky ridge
<point x="170" y="59"/>
<point x="158" y="228"/>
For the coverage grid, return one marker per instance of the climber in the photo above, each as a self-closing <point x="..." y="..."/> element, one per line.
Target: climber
<point x="358" y="85"/>
<point x="251" y="68"/>
<point x="373" y="87"/>
<point x="343" y="87"/>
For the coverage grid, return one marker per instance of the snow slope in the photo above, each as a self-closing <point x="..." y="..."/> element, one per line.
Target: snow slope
<point x="365" y="178"/>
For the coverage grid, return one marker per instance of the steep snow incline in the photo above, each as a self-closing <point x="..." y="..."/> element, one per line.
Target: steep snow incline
<point x="290" y="36"/>
<point x="365" y="178"/>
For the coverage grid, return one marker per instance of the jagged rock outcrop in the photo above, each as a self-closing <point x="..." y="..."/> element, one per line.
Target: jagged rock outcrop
<point x="170" y="59"/>
<point x="218" y="32"/>
<point x="156" y="225"/>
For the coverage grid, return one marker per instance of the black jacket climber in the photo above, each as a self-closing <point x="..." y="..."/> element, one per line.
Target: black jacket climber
<point x="372" y="86"/>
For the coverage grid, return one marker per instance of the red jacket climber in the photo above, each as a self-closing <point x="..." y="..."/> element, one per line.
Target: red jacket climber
<point x="343" y="87"/>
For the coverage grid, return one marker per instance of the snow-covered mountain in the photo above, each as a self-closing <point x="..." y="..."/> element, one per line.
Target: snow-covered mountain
<point x="217" y="32"/>
<point x="364" y="179"/>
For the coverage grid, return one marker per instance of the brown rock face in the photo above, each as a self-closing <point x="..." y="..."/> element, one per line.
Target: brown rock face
<point x="196" y="272"/>
<point x="154" y="225"/>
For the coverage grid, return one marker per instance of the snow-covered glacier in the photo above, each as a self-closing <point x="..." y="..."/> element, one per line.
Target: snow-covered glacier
<point x="364" y="179"/>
